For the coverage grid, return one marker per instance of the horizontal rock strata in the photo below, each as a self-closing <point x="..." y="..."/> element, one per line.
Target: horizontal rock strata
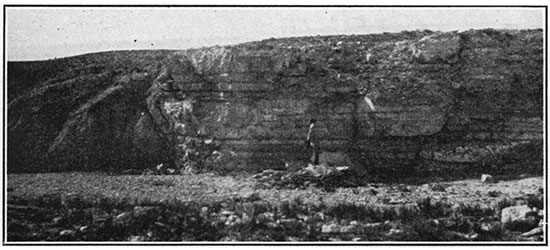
<point x="455" y="101"/>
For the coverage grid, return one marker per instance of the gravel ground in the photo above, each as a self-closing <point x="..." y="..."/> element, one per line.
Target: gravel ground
<point x="209" y="187"/>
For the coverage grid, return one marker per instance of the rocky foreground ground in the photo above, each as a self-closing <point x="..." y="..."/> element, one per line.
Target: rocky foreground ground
<point x="208" y="207"/>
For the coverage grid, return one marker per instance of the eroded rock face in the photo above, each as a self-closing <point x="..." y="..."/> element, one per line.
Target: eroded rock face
<point x="443" y="101"/>
<point x="438" y="48"/>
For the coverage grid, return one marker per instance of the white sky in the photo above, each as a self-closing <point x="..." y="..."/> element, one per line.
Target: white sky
<point x="44" y="33"/>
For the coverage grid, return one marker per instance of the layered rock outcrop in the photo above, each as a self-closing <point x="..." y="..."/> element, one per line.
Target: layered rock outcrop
<point x="454" y="102"/>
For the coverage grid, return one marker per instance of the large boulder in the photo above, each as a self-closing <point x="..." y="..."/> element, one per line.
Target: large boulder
<point x="438" y="48"/>
<point x="519" y="218"/>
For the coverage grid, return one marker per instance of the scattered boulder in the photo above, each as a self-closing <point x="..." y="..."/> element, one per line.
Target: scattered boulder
<point x="58" y="220"/>
<point x="348" y="229"/>
<point x="226" y="213"/>
<point x="265" y="217"/>
<point x="373" y="225"/>
<point x="66" y="232"/>
<point x="84" y="229"/>
<point x="490" y="226"/>
<point x="519" y="218"/>
<point x="487" y="178"/>
<point x="319" y="216"/>
<point x="534" y="232"/>
<point x="123" y="218"/>
<point x="162" y="169"/>
<point x="395" y="231"/>
<point x="233" y="220"/>
<point x="342" y="168"/>
<point x="330" y="228"/>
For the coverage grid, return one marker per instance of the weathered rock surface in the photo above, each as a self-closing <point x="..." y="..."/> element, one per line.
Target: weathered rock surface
<point x="445" y="103"/>
<point x="520" y="218"/>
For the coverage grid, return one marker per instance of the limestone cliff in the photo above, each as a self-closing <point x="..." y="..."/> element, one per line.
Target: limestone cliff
<point x="456" y="102"/>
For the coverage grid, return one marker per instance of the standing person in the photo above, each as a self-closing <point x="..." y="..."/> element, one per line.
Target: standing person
<point x="313" y="143"/>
